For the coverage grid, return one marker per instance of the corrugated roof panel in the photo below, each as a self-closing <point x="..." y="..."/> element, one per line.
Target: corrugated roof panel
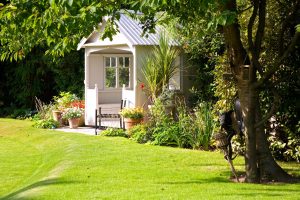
<point x="133" y="31"/>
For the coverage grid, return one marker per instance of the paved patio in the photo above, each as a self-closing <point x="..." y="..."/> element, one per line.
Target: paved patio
<point x="90" y="130"/>
<point x="83" y="130"/>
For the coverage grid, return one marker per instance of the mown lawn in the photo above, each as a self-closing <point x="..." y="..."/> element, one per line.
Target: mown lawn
<point x="46" y="164"/>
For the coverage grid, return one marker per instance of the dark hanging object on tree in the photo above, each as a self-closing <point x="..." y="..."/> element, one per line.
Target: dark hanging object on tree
<point x="231" y="124"/>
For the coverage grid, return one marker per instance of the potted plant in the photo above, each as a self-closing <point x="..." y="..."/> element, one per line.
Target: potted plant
<point x="61" y="103"/>
<point x="56" y="114"/>
<point x="73" y="115"/>
<point x="79" y="104"/>
<point x="132" y="116"/>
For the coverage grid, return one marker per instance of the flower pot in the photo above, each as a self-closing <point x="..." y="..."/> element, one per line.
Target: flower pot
<point x="57" y="116"/>
<point x="131" y="122"/>
<point x="73" y="122"/>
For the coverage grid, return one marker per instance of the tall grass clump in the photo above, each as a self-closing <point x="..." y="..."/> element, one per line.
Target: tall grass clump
<point x="205" y="124"/>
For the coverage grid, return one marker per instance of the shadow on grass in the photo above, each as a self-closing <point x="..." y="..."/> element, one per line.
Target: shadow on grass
<point x="52" y="181"/>
<point x="272" y="191"/>
<point x="200" y="181"/>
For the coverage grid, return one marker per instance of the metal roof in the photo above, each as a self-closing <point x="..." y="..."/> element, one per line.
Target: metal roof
<point x="133" y="30"/>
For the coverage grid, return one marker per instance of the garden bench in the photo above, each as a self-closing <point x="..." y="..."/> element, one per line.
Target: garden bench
<point x="109" y="111"/>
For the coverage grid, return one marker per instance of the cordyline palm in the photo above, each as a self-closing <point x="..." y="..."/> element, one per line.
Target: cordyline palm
<point x="159" y="67"/>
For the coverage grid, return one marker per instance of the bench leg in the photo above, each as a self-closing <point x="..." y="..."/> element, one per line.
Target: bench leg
<point x="96" y="115"/>
<point x="100" y="118"/>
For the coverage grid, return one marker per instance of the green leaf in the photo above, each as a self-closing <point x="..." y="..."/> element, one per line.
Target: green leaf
<point x="93" y="9"/>
<point x="298" y="28"/>
<point x="12" y="7"/>
<point x="222" y="20"/>
<point x="70" y="2"/>
<point x="52" y="3"/>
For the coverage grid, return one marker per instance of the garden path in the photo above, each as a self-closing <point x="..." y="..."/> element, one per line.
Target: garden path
<point x="90" y="130"/>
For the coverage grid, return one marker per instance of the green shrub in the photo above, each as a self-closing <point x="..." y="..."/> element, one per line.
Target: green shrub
<point x="162" y="126"/>
<point x="139" y="133"/>
<point x="186" y="130"/>
<point x="46" y="123"/>
<point x="285" y="146"/>
<point x="167" y="135"/>
<point x="17" y="113"/>
<point x="114" y="132"/>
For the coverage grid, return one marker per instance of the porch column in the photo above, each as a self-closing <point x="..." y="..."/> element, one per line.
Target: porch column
<point x="86" y="81"/>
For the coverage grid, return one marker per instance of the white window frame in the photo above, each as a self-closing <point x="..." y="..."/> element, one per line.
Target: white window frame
<point x="117" y="56"/>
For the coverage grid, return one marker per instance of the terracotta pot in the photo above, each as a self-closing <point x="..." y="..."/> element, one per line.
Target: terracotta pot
<point x="57" y="116"/>
<point x="74" y="122"/>
<point x="129" y="123"/>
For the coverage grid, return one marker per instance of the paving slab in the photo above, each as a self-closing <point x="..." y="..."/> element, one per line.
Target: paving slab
<point x="83" y="130"/>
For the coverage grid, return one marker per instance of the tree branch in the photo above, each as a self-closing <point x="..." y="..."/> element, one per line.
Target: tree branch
<point x="250" y="27"/>
<point x="252" y="48"/>
<point x="259" y="34"/>
<point x="261" y="27"/>
<point x="241" y="11"/>
<point x="279" y="61"/>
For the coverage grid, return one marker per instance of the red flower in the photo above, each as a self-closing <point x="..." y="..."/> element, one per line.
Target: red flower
<point x="78" y="104"/>
<point x="142" y="86"/>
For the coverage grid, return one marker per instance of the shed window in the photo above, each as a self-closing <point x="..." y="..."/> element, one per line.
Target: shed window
<point x="117" y="71"/>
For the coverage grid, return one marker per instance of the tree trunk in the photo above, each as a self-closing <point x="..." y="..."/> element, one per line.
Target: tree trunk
<point x="269" y="169"/>
<point x="248" y="96"/>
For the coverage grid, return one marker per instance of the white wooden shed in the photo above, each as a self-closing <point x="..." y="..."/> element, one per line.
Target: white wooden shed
<point x="112" y="68"/>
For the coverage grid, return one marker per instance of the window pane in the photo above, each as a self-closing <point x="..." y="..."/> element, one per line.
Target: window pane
<point x="113" y="62"/>
<point x="110" y="77"/>
<point x="121" y="62"/>
<point x="107" y="62"/>
<point x="126" y="61"/>
<point x="124" y="77"/>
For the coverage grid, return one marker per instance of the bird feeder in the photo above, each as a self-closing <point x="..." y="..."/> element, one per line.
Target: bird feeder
<point x="246" y="72"/>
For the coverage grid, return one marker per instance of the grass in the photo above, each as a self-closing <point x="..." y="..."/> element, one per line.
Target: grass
<point x="47" y="164"/>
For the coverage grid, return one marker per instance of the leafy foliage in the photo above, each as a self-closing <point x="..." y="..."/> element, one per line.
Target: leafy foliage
<point x="46" y="123"/>
<point x="69" y="104"/>
<point x="114" y="132"/>
<point x="284" y="143"/>
<point x="159" y="68"/>
<point x="225" y="89"/>
<point x="22" y="31"/>
<point x="186" y="129"/>
<point x="139" y="133"/>
<point x="65" y="100"/>
<point x="38" y="76"/>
